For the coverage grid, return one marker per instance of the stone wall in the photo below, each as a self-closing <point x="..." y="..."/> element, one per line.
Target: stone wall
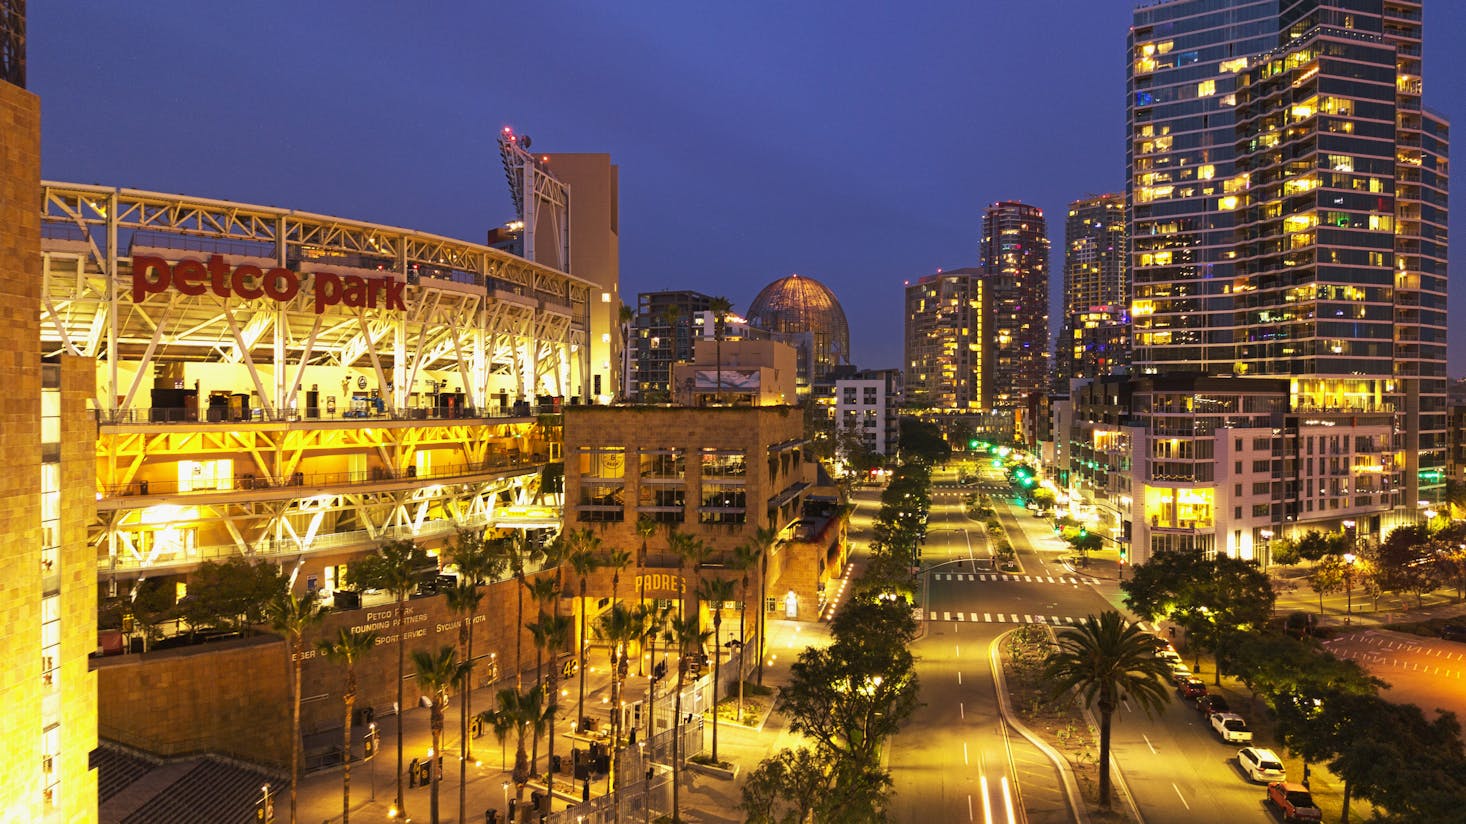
<point x="20" y="444"/>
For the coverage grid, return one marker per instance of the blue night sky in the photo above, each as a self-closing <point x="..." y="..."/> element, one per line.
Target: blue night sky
<point x="854" y="142"/>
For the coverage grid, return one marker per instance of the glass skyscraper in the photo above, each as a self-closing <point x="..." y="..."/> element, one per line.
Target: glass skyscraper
<point x="1015" y="264"/>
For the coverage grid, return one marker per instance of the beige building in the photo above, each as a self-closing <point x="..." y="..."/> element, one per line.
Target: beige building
<point x="719" y="474"/>
<point x="752" y="373"/>
<point x="48" y="719"/>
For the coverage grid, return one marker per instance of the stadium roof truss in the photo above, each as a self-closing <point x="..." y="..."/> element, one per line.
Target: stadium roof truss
<point x="488" y="316"/>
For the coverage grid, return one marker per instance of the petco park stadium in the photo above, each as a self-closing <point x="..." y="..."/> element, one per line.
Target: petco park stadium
<point x="276" y="383"/>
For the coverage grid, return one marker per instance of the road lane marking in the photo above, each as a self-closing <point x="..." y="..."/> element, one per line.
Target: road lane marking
<point x="958" y="647"/>
<point x="1179" y="795"/>
<point x="1001" y="619"/>
<point x="1028" y="579"/>
<point x="965" y="762"/>
<point x="987" y="616"/>
<point x="961" y="617"/>
<point x="961" y="711"/>
<point x="1015" y="618"/>
<point x="1050" y="579"/>
<point x="1057" y="619"/>
<point x="959" y="678"/>
<point x="1147" y="743"/>
<point x="969" y="806"/>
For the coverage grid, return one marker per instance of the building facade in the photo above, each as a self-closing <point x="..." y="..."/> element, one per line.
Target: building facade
<point x="48" y="593"/>
<point x="948" y="364"/>
<point x="664" y="332"/>
<point x="718" y="475"/>
<point x="1286" y="203"/>
<point x="1015" y="265"/>
<point x="1095" y="337"/>
<point x="869" y="407"/>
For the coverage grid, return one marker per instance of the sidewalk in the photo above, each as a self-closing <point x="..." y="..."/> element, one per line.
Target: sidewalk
<point x="704" y="798"/>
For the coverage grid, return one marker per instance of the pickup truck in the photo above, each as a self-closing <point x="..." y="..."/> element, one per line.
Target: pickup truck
<point x="1231" y="727"/>
<point x="1293" y="801"/>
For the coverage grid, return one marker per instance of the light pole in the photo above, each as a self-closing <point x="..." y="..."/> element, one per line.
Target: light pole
<point x="1267" y="548"/>
<point x="505" y="785"/>
<point x="1349" y="559"/>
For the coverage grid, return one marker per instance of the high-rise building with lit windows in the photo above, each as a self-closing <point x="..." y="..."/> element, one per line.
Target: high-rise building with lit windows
<point x="1015" y="263"/>
<point x="1288" y="209"/>
<point x="1095" y="337"/>
<point x="947" y="341"/>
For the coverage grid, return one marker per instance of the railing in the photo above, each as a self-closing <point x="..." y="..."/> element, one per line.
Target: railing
<point x="318" y="479"/>
<point x="256" y="414"/>
<point x="268" y="548"/>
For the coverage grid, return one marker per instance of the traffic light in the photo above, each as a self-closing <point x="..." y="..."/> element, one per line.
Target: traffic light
<point x="972" y="444"/>
<point x="1083" y="533"/>
<point x="1124" y="553"/>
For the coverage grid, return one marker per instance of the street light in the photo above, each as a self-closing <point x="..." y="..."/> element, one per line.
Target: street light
<point x="505" y="785"/>
<point x="1349" y="559"/>
<point x="1267" y="546"/>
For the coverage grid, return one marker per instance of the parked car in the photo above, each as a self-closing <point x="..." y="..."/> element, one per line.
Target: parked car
<point x="1261" y="764"/>
<point x="1231" y="727"/>
<point x="1179" y="672"/>
<point x="1208" y="704"/>
<point x="1293" y="801"/>
<point x="1454" y="632"/>
<point x="1191" y="688"/>
<point x="1168" y="655"/>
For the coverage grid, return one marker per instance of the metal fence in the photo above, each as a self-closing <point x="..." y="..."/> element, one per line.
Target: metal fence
<point x="644" y="785"/>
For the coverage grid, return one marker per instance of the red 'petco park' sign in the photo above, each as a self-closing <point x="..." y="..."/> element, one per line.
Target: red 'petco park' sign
<point x="153" y="275"/>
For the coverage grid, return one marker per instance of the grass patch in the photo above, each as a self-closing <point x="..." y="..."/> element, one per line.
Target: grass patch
<point x="752" y="711"/>
<point x="707" y="761"/>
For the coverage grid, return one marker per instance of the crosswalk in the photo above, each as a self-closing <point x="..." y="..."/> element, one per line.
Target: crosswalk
<point x="1031" y="579"/>
<point x="1013" y="618"/>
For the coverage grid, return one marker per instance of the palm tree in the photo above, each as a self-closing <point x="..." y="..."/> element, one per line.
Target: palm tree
<point x="544" y="591"/>
<point x="436" y="673"/>
<point x="583" y="555"/>
<point x="745" y="557"/>
<point x="464" y="598"/>
<point x="520" y="552"/>
<point x="689" y="636"/>
<point x="348" y="648"/>
<point x="556" y="632"/>
<point x="716" y="591"/>
<point x="521" y="714"/>
<point x="394" y="567"/>
<point x="291" y="615"/>
<point x="720" y="307"/>
<point x="1105" y="657"/>
<point x="654" y="621"/>
<point x="646" y="527"/>
<point x="478" y="562"/>
<point x="689" y="550"/>
<point x="765" y="538"/>
<point x="620" y="627"/>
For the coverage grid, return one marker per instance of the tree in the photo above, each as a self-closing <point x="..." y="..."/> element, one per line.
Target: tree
<point x="1390" y="754"/>
<point x="720" y="307"/>
<point x="765" y="539"/>
<point x="583" y="554"/>
<point x="519" y="552"/>
<point x="291" y="616"/>
<point x="922" y="441"/>
<point x="557" y="632"/>
<point x="394" y="567"/>
<point x="152" y="603"/>
<point x="795" y="786"/>
<point x="745" y="558"/>
<point x="693" y="551"/>
<point x="716" y="591"/>
<point x="1327" y="576"/>
<point x="1403" y="562"/>
<point x="620" y="628"/>
<point x="1104" y="658"/>
<point x="1205" y="595"/>
<point x="348" y="648"/>
<point x="230" y="595"/>
<point x="688" y="636"/>
<point x="436" y="674"/>
<point x="1045" y="498"/>
<point x="478" y="563"/>
<point x="520" y="714"/>
<point x="850" y="696"/>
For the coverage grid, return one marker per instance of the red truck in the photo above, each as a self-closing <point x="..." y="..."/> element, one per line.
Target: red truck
<point x="1294" y="801"/>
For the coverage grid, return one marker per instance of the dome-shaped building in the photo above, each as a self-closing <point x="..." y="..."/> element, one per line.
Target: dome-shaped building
<point x="804" y="312"/>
